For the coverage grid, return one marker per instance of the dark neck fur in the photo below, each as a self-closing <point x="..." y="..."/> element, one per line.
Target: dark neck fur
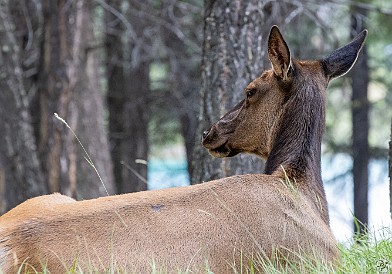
<point x="297" y="146"/>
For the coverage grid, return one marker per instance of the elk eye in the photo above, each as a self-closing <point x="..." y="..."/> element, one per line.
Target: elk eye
<point x="250" y="93"/>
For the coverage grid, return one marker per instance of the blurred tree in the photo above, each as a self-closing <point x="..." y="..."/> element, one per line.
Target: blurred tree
<point x="360" y="125"/>
<point x="29" y="23"/>
<point x="233" y="55"/>
<point x="128" y="92"/>
<point x="390" y="173"/>
<point x="153" y="54"/>
<point x="178" y="98"/>
<point x="89" y="110"/>
<point x="68" y="84"/>
<point x="116" y="86"/>
<point x="20" y="173"/>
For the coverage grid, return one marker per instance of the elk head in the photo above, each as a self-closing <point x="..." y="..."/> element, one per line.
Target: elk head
<point x="253" y="124"/>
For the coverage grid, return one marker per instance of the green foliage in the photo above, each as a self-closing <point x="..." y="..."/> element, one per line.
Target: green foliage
<point x="367" y="254"/>
<point x="158" y="75"/>
<point x="162" y="131"/>
<point x="164" y="126"/>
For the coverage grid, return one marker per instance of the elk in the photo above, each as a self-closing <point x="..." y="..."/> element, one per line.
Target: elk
<point x="224" y="223"/>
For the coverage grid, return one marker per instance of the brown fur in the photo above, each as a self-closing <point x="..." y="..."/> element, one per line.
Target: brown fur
<point x="223" y="223"/>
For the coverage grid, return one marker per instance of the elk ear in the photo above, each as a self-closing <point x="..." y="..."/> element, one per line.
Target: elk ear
<point x="343" y="59"/>
<point x="279" y="53"/>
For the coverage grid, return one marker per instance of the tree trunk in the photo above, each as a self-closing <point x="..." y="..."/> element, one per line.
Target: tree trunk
<point x="116" y="85"/>
<point x="29" y="23"/>
<point x="390" y="173"/>
<point x="20" y="173"/>
<point x="128" y="90"/>
<point x="89" y="113"/>
<point x="136" y="113"/>
<point x="360" y="123"/>
<point x="183" y="62"/>
<point x="233" y="55"/>
<point x="69" y="86"/>
<point x="188" y="127"/>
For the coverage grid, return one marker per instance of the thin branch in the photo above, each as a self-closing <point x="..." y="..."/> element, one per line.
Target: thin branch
<point x="129" y="28"/>
<point x="28" y="25"/>
<point x="137" y="174"/>
<point x="170" y="26"/>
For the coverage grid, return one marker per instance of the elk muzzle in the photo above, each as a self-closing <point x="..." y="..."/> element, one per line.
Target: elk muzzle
<point x="217" y="138"/>
<point x="216" y="144"/>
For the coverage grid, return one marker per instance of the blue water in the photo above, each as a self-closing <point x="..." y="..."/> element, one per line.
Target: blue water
<point x="169" y="173"/>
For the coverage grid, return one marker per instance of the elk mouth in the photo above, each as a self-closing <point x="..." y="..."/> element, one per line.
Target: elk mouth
<point x="217" y="145"/>
<point x="222" y="151"/>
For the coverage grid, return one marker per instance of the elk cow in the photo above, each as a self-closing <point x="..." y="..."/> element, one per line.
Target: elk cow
<point x="222" y="224"/>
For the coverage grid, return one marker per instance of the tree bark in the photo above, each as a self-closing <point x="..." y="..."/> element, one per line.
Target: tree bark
<point x="20" y="174"/>
<point x="128" y="91"/>
<point x="69" y="86"/>
<point x="137" y="116"/>
<point x="89" y="114"/>
<point x="233" y="54"/>
<point x="116" y="84"/>
<point x="360" y="126"/>
<point x="183" y="62"/>
<point x="390" y="173"/>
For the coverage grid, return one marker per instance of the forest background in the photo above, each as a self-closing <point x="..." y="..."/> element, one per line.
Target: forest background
<point x="138" y="81"/>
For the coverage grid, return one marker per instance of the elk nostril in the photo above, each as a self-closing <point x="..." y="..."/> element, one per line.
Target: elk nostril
<point x="204" y="135"/>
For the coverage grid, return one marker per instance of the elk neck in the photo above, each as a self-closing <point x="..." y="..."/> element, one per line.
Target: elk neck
<point x="297" y="144"/>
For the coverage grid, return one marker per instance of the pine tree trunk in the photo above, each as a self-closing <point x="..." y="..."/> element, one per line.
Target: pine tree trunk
<point x="183" y="61"/>
<point x="137" y="116"/>
<point x="360" y="120"/>
<point x="20" y="173"/>
<point x="128" y="91"/>
<point x="89" y="114"/>
<point x="116" y="85"/>
<point x="233" y="55"/>
<point x="29" y="23"/>
<point x="69" y="86"/>
<point x="390" y="173"/>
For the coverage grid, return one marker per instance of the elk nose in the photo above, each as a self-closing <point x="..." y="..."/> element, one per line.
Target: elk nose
<point x="204" y="135"/>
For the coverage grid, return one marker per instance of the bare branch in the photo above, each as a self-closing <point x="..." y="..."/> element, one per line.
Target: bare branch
<point x="130" y="31"/>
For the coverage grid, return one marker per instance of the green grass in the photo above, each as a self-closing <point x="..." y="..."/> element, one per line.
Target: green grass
<point x="368" y="254"/>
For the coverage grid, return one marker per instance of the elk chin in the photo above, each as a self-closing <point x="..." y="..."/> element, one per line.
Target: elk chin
<point x="220" y="152"/>
<point x="223" y="151"/>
